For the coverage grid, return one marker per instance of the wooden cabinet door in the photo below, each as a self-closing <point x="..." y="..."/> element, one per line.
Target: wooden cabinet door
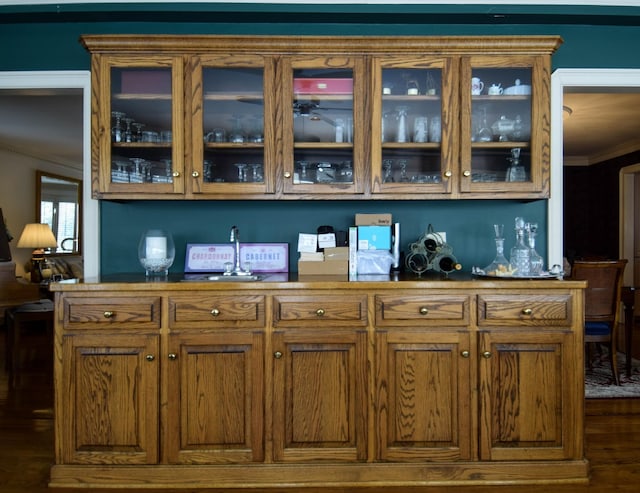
<point x="415" y="129"/>
<point x="232" y="149"/>
<point x="504" y="134"/>
<point x="215" y="397"/>
<point x="530" y="395"/>
<point x="138" y="126"/>
<point x="107" y="412"/>
<point x="319" y="395"/>
<point x="423" y="397"/>
<point x="324" y="132"/>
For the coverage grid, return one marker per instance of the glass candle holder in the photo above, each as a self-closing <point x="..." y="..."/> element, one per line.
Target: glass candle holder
<point x="156" y="252"/>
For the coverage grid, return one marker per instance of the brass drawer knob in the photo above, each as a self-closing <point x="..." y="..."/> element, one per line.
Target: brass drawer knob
<point x="466" y="173"/>
<point x="277" y="355"/>
<point x="195" y="174"/>
<point x="287" y="174"/>
<point x="109" y="314"/>
<point x="465" y="354"/>
<point x="176" y="174"/>
<point x="172" y="356"/>
<point x="424" y="310"/>
<point x="215" y="312"/>
<point x="320" y="312"/>
<point x="527" y="311"/>
<point x="486" y="355"/>
<point x="448" y="174"/>
<point x="149" y="357"/>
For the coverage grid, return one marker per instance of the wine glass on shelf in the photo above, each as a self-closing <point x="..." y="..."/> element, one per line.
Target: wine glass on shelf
<point x="387" y="170"/>
<point x="117" y="132"/>
<point x="242" y="171"/>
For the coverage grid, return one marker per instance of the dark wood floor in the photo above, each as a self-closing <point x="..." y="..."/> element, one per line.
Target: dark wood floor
<point x="26" y="447"/>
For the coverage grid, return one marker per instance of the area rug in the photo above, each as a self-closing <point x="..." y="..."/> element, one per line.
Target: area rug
<point x="599" y="382"/>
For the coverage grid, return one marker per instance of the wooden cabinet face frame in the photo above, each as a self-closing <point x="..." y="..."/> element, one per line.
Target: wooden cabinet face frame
<point x="356" y="168"/>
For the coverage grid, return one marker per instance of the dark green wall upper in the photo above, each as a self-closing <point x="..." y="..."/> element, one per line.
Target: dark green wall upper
<point x="46" y="38"/>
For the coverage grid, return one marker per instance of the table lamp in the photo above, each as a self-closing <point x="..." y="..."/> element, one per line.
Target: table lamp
<point x="39" y="237"/>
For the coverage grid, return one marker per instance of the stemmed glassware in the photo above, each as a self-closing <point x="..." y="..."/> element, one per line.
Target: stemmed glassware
<point x="117" y="132"/>
<point x="387" y="168"/>
<point x="242" y="171"/>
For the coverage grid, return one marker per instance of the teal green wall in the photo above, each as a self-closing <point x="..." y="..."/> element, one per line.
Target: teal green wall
<point x="46" y="38"/>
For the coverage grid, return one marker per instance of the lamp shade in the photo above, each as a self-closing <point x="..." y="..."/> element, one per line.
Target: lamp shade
<point x="37" y="235"/>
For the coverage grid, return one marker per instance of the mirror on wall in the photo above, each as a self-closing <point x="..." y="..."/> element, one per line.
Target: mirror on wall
<point x="58" y="204"/>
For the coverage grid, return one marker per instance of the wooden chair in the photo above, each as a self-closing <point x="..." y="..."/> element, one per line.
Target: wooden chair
<point x="602" y="303"/>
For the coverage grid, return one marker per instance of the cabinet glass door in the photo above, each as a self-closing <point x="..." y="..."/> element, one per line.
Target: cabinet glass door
<point x="411" y="130"/>
<point x="231" y="130"/>
<point x="143" y="148"/>
<point x="497" y="131"/>
<point x="323" y="125"/>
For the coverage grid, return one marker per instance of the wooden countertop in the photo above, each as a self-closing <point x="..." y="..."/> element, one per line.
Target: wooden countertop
<point x="177" y="282"/>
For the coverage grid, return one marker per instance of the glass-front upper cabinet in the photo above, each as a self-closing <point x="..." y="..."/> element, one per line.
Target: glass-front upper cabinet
<point x="141" y="126"/>
<point x="503" y="140"/>
<point x="232" y="136"/>
<point x="323" y="125"/>
<point x="412" y="132"/>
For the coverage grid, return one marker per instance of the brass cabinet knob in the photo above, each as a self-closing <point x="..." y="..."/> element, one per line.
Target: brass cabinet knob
<point x="448" y="174"/>
<point x="176" y="174"/>
<point x="424" y="310"/>
<point x="149" y="357"/>
<point x="320" y="312"/>
<point x="527" y="311"/>
<point x="486" y="355"/>
<point x="172" y="356"/>
<point x="464" y="354"/>
<point x="215" y="312"/>
<point x="109" y="314"/>
<point x="466" y="173"/>
<point x="277" y="355"/>
<point x="195" y="174"/>
<point x="287" y="174"/>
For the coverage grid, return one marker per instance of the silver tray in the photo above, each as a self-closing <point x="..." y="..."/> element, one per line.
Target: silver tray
<point x="478" y="272"/>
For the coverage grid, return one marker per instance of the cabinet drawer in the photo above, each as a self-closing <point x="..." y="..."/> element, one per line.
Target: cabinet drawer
<point x="216" y="310"/>
<point x="424" y="311"/>
<point x="525" y="309"/>
<point x="320" y="311"/>
<point x="120" y="312"/>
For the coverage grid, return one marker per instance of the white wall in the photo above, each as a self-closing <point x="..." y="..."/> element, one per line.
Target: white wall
<point x="18" y="196"/>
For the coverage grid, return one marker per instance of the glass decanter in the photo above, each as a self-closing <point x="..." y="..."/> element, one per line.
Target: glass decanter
<point x="500" y="264"/>
<point x="520" y="253"/>
<point x="537" y="262"/>
<point x="516" y="171"/>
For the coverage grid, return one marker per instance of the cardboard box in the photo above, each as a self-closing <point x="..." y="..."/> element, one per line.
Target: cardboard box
<point x="373" y="219"/>
<point x="374" y="237"/>
<point x="322" y="86"/>
<point x="142" y="81"/>
<point x="326" y="268"/>
<point x="336" y="253"/>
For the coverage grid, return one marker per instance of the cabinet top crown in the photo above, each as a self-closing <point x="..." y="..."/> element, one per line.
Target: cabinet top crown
<point x="362" y="45"/>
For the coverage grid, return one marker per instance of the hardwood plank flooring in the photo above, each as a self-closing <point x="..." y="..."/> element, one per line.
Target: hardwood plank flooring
<point x="26" y="448"/>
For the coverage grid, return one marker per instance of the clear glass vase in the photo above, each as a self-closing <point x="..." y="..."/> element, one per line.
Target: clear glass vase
<point x="156" y="252"/>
